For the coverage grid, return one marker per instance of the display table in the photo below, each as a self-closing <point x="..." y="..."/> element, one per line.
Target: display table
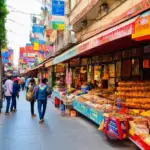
<point x="89" y="112"/>
<point x="139" y="142"/>
<point x="56" y="94"/>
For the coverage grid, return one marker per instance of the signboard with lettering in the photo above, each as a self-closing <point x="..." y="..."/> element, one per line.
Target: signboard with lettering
<point x="142" y="27"/>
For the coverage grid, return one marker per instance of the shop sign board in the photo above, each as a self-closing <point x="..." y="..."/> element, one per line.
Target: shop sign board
<point x="106" y="36"/>
<point x="142" y="27"/>
<point x="58" y="7"/>
<point x="36" y="46"/>
<point x="58" y="25"/>
<point x="131" y="12"/>
<point x="65" y="56"/>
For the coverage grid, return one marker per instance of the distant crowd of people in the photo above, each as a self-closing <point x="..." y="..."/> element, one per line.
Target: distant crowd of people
<point x="35" y="91"/>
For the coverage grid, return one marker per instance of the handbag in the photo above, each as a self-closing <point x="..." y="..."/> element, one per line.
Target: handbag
<point x="29" y="96"/>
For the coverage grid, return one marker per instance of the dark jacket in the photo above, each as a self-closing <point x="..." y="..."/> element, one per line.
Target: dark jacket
<point x="15" y="89"/>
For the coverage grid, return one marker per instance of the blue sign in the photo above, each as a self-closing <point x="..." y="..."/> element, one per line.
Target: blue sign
<point x="5" y="54"/>
<point x="58" y="8"/>
<point x="32" y="40"/>
<point x="37" y="29"/>
<point x="4" y="60"/>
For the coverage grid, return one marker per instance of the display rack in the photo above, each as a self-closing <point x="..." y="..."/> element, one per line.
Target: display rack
<point x="88" y="112"/>
<point x="139" y="142"/>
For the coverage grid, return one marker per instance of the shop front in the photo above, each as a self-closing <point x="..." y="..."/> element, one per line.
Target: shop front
<point x="108" y="78"/>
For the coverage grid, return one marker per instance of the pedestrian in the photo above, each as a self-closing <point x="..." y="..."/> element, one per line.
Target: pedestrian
<point x="8" y="87"/>
<point x="27" y="83"/>
<point x="32" y="100"/>
<point x="15" y="94"/>
<point x="22" y="83"/>
<point x="42" y="91"/>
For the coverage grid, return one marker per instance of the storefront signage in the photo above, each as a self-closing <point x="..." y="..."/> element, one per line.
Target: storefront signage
<point x="107" y="36"/>
<point x="58" y="7"/>
<point x="58" y="25"/>
<point x="36" y="46"/>
<point x="135" y="10"/>
<point x="66" y="55"/>
<point x="142" y="27"/>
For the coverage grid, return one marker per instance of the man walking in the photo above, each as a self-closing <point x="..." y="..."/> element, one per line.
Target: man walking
<point x="15" y="93"/>
<point x="8" y="87"/>
<point x="42" y="92"/>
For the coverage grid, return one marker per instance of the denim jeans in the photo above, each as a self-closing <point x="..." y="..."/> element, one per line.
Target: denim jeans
<point x="8" y="99"/>
<point x="13" y="104"/>
<point x="32" y="107"/>
<point x="42" y="108"/>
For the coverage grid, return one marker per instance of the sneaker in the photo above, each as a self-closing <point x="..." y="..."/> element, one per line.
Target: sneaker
<point x="41" y="121"/>
<point x="34" y="115"/>
<point x="6" y="114"/>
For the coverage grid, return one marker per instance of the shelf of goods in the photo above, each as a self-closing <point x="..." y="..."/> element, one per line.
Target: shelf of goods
<point x="135" y="98"/>
<point x="92" y="105"/>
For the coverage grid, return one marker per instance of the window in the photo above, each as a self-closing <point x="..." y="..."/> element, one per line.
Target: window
<point x="126" y="68"/>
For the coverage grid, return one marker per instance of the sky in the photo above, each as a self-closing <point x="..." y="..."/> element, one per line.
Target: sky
<point x="18" y="25"/>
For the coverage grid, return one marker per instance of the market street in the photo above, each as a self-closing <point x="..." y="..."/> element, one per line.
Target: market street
<point x="21" y="132"/>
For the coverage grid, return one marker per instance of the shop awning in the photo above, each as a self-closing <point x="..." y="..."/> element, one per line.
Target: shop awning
<point x="37" y="67"/>
<point x="117" y="32"/>
<point x="65" y="56"/>
<point x="120" y="31"/>
<point x="48" y="63"/>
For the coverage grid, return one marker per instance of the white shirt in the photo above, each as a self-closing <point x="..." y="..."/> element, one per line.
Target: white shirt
<point x="8" y="87"/>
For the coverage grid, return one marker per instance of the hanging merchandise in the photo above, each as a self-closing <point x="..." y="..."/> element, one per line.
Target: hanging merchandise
<point x="58" y="25"/>
<point x="58" y="7"/>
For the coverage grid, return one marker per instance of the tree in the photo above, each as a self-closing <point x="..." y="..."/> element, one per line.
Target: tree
<point x="3" y="14"/>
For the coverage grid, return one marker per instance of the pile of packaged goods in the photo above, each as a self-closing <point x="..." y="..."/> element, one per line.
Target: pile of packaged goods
<point x="140" y="127"/>
<point x="135" y="94"/>
<point x="116" y="124"/>
<point x="100" y="103"/>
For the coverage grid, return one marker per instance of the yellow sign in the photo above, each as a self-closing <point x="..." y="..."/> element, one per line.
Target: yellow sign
<point x="36" y="46"/>
<point x="142" y="27"/>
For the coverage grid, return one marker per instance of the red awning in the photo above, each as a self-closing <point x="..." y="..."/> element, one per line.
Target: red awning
<point x="117" y="32"/>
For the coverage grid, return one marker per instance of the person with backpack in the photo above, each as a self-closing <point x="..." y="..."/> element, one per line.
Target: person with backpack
<point x="15" y="94"/>
<point x="31" y="89"/>
<point x="42" y="92"/>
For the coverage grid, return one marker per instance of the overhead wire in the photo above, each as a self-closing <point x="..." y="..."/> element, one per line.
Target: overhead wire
<point x="13" y="9"/>
<point x="17" y="23"/>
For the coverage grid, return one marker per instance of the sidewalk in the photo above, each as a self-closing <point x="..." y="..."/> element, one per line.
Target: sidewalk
<point x="19" y="131"/>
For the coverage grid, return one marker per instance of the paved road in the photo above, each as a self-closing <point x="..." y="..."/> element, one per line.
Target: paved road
<point x="19" y="131"/>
